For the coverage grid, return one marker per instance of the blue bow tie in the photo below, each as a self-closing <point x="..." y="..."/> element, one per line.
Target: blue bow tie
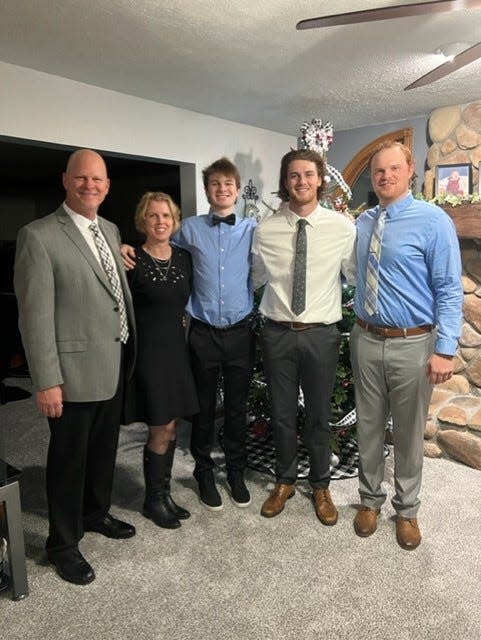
<point x="230" y="219"/>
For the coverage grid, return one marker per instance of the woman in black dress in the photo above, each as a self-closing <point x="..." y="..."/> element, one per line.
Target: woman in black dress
<point x="164" y="386"/>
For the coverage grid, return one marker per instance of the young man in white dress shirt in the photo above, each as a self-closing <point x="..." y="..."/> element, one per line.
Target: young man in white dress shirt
<point x="301" y="347"/>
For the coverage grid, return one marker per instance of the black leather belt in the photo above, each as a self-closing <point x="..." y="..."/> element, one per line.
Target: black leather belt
<point x="229" y="327"/>
<point x="298" y="326"/>
<point x="394" y="332"/>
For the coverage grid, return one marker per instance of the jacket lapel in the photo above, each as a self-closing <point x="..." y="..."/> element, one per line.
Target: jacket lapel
<point x="71" y="230"/>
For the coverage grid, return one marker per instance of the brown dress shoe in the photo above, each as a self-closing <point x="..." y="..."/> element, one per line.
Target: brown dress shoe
<point x="407" y="533"/>
<point x="325" y="509"/>
<point x="365" y="522"/>
<point x="277" y="499"/>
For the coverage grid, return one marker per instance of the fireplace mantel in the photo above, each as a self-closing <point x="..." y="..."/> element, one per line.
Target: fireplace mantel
<point x="467" y="219"/>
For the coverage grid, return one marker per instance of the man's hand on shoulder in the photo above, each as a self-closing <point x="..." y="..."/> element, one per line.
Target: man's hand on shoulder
<point x="128" y="256"/>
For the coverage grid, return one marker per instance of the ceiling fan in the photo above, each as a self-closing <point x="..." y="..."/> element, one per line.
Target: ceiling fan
<point x="404" y="11"/>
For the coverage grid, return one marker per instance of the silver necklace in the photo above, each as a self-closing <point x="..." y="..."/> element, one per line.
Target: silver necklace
<point x="161" y="266"/>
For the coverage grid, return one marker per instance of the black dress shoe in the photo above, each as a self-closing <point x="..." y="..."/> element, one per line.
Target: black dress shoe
<point x="72" y="567"/>
<point x="111" y="528"/>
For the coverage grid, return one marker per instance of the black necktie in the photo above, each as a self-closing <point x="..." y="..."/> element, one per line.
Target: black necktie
<point x="230" y="219"/>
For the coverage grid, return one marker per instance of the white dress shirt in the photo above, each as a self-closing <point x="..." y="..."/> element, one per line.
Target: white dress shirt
<point x="330" y="252"/>
<point x="82" y="223"/>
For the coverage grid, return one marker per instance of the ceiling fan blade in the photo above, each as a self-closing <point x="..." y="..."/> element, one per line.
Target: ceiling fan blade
<point x="388" y="13"/>
<point x="461" y="60"/>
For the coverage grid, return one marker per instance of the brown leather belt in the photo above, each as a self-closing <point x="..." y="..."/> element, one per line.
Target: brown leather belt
<point x="298" y="326"/>
<point x="394" y="332"/>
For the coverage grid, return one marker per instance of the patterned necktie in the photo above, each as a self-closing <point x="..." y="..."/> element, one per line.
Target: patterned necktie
<point x="299" y="282"/>
<point x="113" y="277"/>
<point x="372" y="272"/>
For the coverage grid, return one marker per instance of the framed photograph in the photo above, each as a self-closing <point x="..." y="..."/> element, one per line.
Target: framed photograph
<point x="453" y="179"/>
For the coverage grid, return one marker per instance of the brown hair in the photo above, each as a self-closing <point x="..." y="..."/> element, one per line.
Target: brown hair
<point x="155" y="196"/>
<point x="392" y="144"/>
<point x="301" y="154"/>
<point x="223" y="166"/>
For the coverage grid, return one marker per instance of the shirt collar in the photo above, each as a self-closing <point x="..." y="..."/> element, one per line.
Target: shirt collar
<point x="81" y="221"/>
<point x="396" y="208"/>
<point x="311" y="219"/>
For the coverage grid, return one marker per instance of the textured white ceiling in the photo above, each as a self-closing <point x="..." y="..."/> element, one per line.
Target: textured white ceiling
<point x="245" y="61"/>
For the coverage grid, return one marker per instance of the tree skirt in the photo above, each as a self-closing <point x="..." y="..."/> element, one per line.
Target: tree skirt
<point x="344" y="463"/>
<point x="261" y="457"/>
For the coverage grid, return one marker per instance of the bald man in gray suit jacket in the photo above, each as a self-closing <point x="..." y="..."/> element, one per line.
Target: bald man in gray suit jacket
<point x="78" y="332"/>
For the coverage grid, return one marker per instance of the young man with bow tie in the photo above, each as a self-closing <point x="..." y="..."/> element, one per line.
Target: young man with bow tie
<point x="221" y="338"/>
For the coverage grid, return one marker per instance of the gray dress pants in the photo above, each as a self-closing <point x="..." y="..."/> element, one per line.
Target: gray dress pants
<point x="390" y="378"/>
<point x="305" y="359"/>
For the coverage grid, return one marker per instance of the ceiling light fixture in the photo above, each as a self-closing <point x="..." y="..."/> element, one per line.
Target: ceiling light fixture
<point x="451" y="49"/>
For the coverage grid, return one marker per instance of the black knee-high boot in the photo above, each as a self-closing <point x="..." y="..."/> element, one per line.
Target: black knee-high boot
<point x="155" y="505"/>
<point x="180" y="512"/>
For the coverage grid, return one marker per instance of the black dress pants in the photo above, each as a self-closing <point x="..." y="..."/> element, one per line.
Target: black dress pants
<point x="230" y="351"/>
<point x="80" y="468"/>
<point x="305" y="359"/>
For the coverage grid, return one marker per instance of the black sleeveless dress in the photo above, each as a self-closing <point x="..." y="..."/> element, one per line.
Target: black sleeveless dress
<point x="163" y="383"/>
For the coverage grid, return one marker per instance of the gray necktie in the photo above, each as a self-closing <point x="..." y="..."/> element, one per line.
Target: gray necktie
<point x="373" y="259"/>
<point x="113" y="277"/>
<point x="299" y="282"/>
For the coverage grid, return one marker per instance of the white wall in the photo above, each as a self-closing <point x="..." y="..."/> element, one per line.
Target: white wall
<point x="48" y="108"/>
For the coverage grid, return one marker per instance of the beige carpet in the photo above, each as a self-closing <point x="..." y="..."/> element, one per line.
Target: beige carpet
<point x="235" y="575"/>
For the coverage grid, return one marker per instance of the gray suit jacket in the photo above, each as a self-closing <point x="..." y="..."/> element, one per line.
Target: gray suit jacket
<point x="68" y="316"/>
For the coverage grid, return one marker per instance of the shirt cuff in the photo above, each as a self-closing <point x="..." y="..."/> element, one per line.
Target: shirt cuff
<point x="446" y="347"/>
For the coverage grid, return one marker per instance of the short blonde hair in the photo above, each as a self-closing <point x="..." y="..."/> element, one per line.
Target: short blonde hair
<point x="155" y="196"/>
<point x="393" y="144"/>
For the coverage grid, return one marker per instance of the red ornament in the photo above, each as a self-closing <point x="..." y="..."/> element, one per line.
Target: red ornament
<point x="259" y="427"/>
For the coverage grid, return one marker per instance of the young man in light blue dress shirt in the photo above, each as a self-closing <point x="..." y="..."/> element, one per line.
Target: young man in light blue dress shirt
<point x="406" y="345"/>
<point x="221" y="338"/>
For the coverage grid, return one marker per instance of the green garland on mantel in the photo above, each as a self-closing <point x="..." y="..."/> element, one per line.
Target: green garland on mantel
<point x="450" y="199"/>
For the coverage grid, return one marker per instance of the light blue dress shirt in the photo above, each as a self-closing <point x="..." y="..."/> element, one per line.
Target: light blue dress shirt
<point x="419" y="273"/>
<point x="221" y="258"/>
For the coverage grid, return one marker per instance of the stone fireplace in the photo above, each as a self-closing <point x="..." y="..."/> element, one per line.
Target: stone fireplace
<point x="454" y="423"/>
